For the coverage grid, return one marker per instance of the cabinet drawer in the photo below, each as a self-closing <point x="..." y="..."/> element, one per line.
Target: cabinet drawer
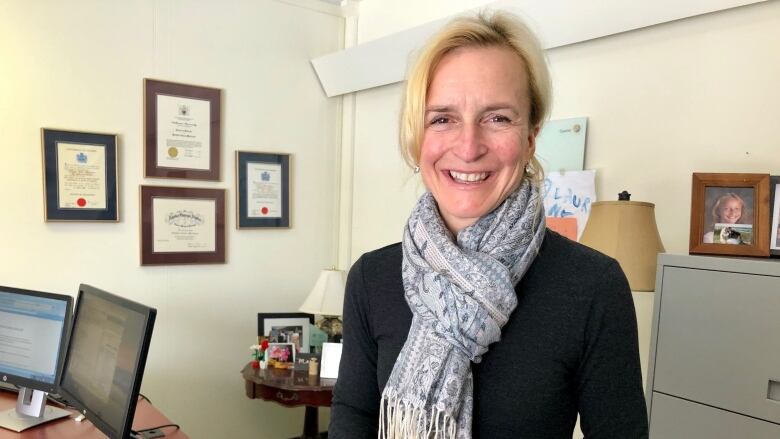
<point x="674" y="418"/>
<point x="719" y="340"/>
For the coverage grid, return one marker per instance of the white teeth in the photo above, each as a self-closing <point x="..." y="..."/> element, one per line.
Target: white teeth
<point x="464" y="177"/>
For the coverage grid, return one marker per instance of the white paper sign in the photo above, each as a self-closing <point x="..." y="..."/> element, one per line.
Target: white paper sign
<point x="331" y="357"/>
<point x="570" y="194"/>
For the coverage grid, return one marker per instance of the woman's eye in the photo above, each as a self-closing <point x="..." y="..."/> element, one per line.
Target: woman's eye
<point x="439" y="120"/>
<point x="497" y="118"/>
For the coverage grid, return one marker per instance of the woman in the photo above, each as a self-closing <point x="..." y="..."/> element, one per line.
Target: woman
<point x="423" y="319"/>
<point x="727" y="210"/>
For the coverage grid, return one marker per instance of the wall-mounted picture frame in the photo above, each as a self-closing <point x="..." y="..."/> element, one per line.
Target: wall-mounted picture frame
<point x="182" y="225"/>
<point x="281" y="352"/>
<point x="286" y="328"/>
<point x="80" y="176"/>
<point x="182" y="130"/>
<point x="730" y="214"/>
<point x="262" y="190"/>
<point x="774" y="229"/>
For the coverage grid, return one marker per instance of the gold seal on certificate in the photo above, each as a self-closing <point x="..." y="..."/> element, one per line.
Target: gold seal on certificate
<point x="81" y="176"/>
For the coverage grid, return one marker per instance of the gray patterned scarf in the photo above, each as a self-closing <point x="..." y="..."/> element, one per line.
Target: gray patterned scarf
<point x="460" y="295"/>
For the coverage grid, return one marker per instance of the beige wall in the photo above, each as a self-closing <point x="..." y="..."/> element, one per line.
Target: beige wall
<point x="79" y="65"/>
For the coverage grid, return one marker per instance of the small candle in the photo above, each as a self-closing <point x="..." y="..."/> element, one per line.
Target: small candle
<point x="313" y="366"/>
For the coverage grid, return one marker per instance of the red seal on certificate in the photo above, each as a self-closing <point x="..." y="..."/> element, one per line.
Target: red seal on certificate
<point x="264" y="210"/>
<point x="81" y="202"/>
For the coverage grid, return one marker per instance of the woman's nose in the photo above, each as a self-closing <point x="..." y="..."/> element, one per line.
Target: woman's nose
<point x="470" y="143"/>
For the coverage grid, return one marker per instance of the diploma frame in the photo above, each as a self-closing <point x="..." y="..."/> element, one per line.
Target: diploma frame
<point x="149" y="256"/>
<point x="152" y="89"/>
<point x="724" y="186"/>
<point x="243" y="218"/>
<point x="53" y="210"/>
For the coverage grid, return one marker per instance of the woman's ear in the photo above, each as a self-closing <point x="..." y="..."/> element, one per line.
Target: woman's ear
<point x="532" y="133"/>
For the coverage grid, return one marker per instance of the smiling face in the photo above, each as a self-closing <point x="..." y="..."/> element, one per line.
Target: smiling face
<point x="477" y="138"/>
<point x="730" y="210"/>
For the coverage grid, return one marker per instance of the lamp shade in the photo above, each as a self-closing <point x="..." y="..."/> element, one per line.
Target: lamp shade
<point x="327" y="296"/>
<point x="626" y="231"/>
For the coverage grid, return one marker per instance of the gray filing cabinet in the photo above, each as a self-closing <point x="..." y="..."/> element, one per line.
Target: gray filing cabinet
<point x="714" y="368"/>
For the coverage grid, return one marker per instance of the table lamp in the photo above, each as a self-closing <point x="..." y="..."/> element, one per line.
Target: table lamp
<point x="327" y="299"/>
<point x="626" y="230"/>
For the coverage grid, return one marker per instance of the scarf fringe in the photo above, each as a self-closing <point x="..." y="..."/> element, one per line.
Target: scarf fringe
<point x="399" y="419"/>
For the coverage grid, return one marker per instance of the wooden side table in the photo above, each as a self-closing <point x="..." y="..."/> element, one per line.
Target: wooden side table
<point x="291" y="389"/>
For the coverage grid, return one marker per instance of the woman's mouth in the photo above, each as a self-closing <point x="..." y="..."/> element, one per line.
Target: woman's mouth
<point x="469" y="177"/>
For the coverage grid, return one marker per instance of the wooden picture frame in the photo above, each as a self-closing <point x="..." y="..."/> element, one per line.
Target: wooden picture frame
<point x="182" y="130"/>
<point x="182" y="225"/>
<point x="80" y="176"/>
<point x="267" y="322"/>
<point x="774" y="226"/>
<point x="729" y="209"/>
<point x="262" y="190"/>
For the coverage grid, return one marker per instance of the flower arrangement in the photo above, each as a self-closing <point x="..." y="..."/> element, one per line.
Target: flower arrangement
<point x="258" y="354"/>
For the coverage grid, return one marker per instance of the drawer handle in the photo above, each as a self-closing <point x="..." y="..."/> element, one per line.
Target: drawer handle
<point x="774" y="391"/>
<point x="282" y="397"/>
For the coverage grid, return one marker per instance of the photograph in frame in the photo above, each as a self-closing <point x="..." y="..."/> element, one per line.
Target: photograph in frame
<point x="292" y="328"/>
<point x="182" y="131"/>
<point x="774" y="229"/>
<point x="182" y="225"/>
<point x="80" y="175"/>
<point x="281" y="352"/>
<point x="262" y="190"/>
<point x="730" y="214"/>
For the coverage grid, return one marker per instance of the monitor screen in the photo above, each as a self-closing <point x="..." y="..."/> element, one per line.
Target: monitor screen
<point x="105" y="360"/>
<point x="33" y="336"/>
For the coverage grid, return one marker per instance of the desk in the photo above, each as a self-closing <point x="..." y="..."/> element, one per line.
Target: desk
<point x="146" y="416"/>
<point x="291" y="388"/>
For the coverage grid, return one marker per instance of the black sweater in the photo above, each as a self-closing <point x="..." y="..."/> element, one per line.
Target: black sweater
<point x="570" y="346"/>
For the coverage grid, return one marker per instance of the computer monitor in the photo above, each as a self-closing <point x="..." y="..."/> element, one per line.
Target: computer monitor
<point x="105" y="360"/>
<point x="33" y="336"/>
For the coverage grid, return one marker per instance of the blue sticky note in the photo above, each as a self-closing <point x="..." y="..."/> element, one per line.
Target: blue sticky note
<point x="560" y="145"/>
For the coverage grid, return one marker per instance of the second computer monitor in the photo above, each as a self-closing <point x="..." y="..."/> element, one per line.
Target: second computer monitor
<point x="105" y="361"/>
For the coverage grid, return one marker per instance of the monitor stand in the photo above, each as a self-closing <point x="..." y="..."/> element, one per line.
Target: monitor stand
<point x="30" y="410"/>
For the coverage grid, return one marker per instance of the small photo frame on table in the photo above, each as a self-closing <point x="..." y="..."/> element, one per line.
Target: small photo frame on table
<point x="181" y="130"/>
<point x="730" y="214"/>
<point x="281" y="352"/>
<point x="774" y="229"/>
<point x="302" y="360"/>
<point x="79" y="176"/>
<point x="262" y="190"/>
<point x="182" y="225"/>
<point x="286" y="328"/>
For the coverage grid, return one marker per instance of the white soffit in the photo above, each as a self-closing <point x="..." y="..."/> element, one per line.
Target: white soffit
<point x="559" y="22"/>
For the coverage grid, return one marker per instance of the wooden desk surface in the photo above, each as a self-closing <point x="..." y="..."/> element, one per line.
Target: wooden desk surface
<point x="146" y="416"/>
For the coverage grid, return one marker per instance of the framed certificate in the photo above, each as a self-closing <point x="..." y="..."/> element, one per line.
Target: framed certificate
<point x="181" y="131"/>
<point x="262" y="190"/>
<point x="80" y="176"/>
<point x="182" y="225"/>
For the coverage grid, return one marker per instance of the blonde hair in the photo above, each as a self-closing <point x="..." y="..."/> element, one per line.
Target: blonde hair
<point x="497" y="29"/>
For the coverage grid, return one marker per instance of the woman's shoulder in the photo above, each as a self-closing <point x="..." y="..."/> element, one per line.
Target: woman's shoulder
<point x="573" y="268"/>
<point x="379" y="267"/>
<point x="557" y="247"/>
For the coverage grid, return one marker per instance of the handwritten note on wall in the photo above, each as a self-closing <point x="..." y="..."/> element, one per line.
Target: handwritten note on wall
<point x="570" y="194"/>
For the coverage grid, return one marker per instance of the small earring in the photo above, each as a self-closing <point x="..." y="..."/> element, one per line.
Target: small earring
<point x="416" y="169"/>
